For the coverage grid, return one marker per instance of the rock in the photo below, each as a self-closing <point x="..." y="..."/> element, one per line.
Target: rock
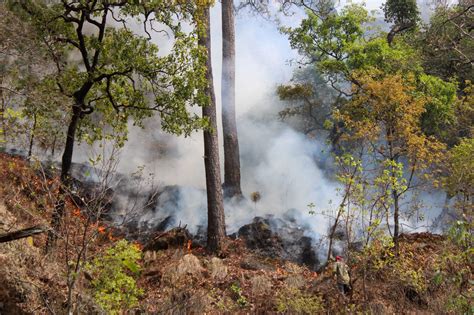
<point x="218" y="269"/>
<point x="296" y="281"/>
<point x="261" y="285"/>
<point x="189" y="265"/>
<point x="279" y="238"/>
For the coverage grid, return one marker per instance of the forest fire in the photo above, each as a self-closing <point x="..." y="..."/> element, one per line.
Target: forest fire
<point x="236" y="157"/>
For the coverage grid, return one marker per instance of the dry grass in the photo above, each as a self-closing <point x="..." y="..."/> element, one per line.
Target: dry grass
<point x="182" y="280"/>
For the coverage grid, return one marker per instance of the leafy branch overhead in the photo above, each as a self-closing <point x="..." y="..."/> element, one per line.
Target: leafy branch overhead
<point x="110" y="69"/>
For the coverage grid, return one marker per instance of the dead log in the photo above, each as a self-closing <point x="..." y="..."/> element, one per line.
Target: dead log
<point x="11" y="236"/>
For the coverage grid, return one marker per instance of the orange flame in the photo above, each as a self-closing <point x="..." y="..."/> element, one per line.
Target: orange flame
<point x="101" y="229"/>
<point x="76" y="212"/>
<point x="280" y="271"/>
<point x="138" y="246"/>
<point x="189" y="245"/>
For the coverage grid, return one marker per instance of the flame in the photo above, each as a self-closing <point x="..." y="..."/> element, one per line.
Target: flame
<point x="138" y="246"/>
<point x="189" y="245"/>
<point x="280" y="271"/>
<point x="101" y="229"/>
<point x="76" y="212"/>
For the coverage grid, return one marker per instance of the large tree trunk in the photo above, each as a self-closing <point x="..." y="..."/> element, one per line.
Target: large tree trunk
<point x="396" y="216"/>
<point x="32" y="136"/>
<point x="229" y="127"/>
<point x="395" y="194"/>
<point x="65" y="178"/>
<point x="215" y="204"/>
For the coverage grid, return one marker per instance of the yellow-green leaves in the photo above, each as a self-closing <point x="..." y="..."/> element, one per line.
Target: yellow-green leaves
<point x="461" y="169"/>
<point x="114" y="278"/>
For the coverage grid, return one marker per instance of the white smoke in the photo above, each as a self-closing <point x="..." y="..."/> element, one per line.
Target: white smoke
<point x="276" y="161"/>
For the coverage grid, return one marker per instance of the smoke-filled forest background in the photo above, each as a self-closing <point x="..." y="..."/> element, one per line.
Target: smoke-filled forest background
<point x="350" y="135"/>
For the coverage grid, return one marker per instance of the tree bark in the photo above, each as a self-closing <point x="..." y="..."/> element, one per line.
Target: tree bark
<point x="32" y="136"/>
<point x="8" y="237"/>
<point x="215" y="203"/>
<point x="65" y="180"/>
<point x="231" y="143"/>
<point x="3" y="131"/>
<point x="395" y="194"/>
<point x="396" y="216"/>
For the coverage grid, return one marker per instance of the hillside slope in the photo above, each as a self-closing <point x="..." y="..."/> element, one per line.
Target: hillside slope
<point x="433" y="274"/>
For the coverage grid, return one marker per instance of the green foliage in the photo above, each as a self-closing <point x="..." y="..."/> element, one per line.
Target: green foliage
<point x="329" y="39"/>
<point x="446" y="44"/>
<point x="461" y="234"/>
<point x="223" y="303"/>
<point x="379" y="253"/>
<point x="309" y="101"/>
<point x="453" y="271"/>
<point x="460" y="304"/>
<point x="410" y="275"/>
<point x="376" y="53"/>
<point x="240" y="299"/>
<point x="114" y="277"/>
<point x="339" y="45"/>
<point x="440" y="107"/>
<point x="118" y="75"/>
<point x="401" y="12"/>
<point x="461" y="169"/>
<point x="295" y="301"/>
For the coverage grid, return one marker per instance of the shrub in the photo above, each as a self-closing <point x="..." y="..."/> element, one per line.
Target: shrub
<point x="240" y="299"/>
<point x="294" y="301"/>
<point x="114" y="277"/>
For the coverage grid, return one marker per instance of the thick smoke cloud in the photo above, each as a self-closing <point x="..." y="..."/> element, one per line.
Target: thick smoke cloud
<point x="278" y="162"/>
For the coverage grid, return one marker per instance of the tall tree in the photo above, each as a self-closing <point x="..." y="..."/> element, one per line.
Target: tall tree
<point x="386" y="113"/>
<point x="215" y="203"/>
<point x="231" y="142"/>
<point x="403" y="14"/>
<point x="447" y="42"/>
<point x="393" y="106"/>
<point x="112" y="72"/>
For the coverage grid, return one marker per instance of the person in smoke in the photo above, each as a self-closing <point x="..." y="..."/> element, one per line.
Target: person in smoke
<point x="342" y="276"/>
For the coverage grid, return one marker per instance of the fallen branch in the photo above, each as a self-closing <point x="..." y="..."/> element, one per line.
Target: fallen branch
<point x="8" y="237"/>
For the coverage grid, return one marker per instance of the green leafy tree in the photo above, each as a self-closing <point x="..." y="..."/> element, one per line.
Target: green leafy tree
<point x="342" y="43"/>
<point x="440" y="107"/>
<point x="394" y="109"/>
<point x="386" y="113"/>
<point x="403" y="14"/>
<point x="26" y="87"/>
<point x="112" y="74"/>
<point x="460" y="181"/>
<point x="446" y="42"/>
<point x="310" y="102"/>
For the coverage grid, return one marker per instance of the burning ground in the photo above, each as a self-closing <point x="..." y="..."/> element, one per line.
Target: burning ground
<point x="253" y="273"/>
